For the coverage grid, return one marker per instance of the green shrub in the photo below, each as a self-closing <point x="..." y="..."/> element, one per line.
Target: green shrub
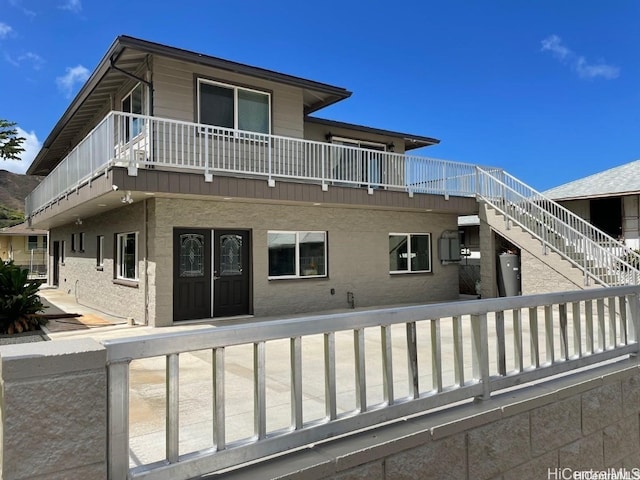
<point x="19" y="300"/>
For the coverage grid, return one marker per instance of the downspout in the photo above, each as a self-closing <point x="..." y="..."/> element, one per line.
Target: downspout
<point x="146" y="262"/>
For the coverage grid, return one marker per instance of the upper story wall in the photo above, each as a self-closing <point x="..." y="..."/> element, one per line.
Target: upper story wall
<point x="175" y="96"/>
<point x="318" y="132"/>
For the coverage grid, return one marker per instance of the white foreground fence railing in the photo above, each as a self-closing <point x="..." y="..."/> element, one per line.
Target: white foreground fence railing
<point x="308" y="379"/>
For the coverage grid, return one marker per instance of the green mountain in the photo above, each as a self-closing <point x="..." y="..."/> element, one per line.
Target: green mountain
<point x="14" y="188"/>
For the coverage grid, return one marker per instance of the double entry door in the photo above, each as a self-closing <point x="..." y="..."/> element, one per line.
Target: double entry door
<point x="211" y="273"/>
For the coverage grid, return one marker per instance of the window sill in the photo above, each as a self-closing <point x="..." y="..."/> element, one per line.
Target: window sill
<point x="421" y="272"/>
<point x="290" y="277"/>
<point x="126" y="283"/>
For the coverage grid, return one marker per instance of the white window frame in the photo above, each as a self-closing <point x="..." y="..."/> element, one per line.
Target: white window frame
<point x="30" y="245"/>
<point x="100" y="251"/>
<point x="77" y="242"/>
<point x="354" y="142"/>
<point x="135" y="123"/>
<point x="297" y="234"/>
<point x="235" y="89"/>
<point x="119" y="256"/>
<point x="409" y="253"/>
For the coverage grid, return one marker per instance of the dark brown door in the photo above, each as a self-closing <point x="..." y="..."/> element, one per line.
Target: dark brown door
<point x="56" y="263"/>
<point x="231" y="273"/>
<point x="191" y="274"/>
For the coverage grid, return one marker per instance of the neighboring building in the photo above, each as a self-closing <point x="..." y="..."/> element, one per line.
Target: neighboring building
<point x="609" y="200"/>
<point x="27" y="247"/>
<point x="182" y="186"/>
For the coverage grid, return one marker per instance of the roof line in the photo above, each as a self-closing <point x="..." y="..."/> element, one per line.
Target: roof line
<point x="406" y="136"/>
<point x="123" y="41"/>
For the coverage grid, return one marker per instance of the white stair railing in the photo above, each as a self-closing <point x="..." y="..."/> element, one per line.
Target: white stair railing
<point x="601" y="257"/>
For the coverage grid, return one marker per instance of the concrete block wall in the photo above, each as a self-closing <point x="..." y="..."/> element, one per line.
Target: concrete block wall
<point x="358" y="254"/>
<point x="79" y="275"/>
<point x="53" y="405"/>
<point x="540" y="272"/>
<point x="585" y="421"/>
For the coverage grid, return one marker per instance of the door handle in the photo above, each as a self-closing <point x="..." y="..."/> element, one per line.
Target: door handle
<point x="215" y="277"/>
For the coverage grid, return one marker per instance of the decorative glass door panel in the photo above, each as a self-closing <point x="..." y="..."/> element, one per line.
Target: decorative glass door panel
<point x="192" y="255"/>
<point x="230" y="254"/>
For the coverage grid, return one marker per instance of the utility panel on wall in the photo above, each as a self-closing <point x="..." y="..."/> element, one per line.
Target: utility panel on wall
<point x="449" y="247"/>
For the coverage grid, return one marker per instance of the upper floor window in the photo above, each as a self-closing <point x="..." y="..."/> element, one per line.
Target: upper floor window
<point x="409" y="252"/>
<point x="233" y="107"/>
<point x="133" y="102"/>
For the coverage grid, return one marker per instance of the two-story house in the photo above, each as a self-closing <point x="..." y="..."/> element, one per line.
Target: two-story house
<point x="183" y="186"/>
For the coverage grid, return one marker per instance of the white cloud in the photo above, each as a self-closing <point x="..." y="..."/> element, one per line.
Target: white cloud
<point x="553" y="43"/>
<point x="584" y="69"/>
<point x="31" y="147"/>
<point x="5" y="30"/>
<point x="603" y="70"/>
<point x="26" y="11"/>
<point x="74" y="6"/>
<point x="74" y="75"/>
<point x="35" y="60"/>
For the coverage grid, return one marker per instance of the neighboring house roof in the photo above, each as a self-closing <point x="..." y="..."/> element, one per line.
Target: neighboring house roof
<point x="624" y="179"/>
<point x="22" y="230"/>
<point x="410" y="141"/>
<point x="122" y="59"/>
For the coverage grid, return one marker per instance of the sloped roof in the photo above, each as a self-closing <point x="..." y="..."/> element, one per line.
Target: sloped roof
<point x="22" y="230"/>
<point x="121" y="61"/>
<point x="624" y="179"/>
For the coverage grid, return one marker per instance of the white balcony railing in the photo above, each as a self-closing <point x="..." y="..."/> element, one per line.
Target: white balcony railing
<point x="137" y="141"/>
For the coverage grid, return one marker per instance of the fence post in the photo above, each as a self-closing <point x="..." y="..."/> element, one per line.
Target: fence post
<point x="633" y="320"/>
<point x="54" y="410"/>
<point x="480" y="352"/>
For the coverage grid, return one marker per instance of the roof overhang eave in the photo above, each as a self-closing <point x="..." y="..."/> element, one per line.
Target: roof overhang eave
<point x="89" y="86"/>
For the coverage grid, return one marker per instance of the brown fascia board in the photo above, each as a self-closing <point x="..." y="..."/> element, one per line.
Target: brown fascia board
<point x="411" y="141"/>
<point x="335" y="94"/>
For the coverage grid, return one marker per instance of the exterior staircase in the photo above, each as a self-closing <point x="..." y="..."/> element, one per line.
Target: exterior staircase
<point x="589" y="256"/>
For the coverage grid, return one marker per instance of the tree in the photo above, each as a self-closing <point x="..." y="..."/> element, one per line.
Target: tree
<point x="10" y="142"/>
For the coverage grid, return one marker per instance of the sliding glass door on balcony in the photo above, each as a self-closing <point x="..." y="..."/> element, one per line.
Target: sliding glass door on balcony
<point x="360" y="165"/>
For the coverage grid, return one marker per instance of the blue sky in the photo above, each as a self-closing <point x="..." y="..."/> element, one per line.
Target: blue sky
<point x="548" y="90"/>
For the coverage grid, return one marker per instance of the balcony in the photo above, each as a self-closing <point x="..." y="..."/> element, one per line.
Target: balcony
<point x="142" y="142"/>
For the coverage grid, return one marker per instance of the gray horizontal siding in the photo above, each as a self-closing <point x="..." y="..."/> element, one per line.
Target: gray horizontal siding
<point x="174" y="94"/>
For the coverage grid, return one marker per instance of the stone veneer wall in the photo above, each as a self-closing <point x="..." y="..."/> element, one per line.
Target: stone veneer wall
<point x="581" y="422"/>
<point x="53" y="399"/>
<point x="358" y="261"/>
